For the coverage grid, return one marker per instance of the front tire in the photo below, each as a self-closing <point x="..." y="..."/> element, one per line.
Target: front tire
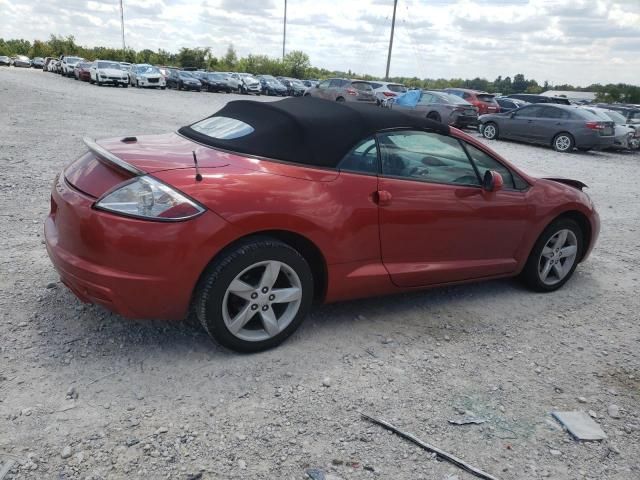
<point x="253" y="297"/>
<point x="563" y="142"/>
<point x="490" y="131"/>
<point x="555" y="256"/>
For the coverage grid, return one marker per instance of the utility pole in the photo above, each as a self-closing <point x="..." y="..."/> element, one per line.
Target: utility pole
<point x="393" y="26"/>
<point x="284" y="33"/>
<point x="122" y="24"/>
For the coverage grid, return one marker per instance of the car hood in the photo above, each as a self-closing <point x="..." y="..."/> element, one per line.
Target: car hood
<point x="150" y="75"/>
<point x="111" y="72"/>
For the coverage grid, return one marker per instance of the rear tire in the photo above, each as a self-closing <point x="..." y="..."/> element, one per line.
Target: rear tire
<point x="242" y="283"/>
<point x="563" y="142"/>
<point x="561" y="244"/>
<point x="340" y="99"/>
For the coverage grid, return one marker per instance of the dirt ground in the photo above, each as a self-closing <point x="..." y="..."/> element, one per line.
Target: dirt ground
<point x="86" y="394"/>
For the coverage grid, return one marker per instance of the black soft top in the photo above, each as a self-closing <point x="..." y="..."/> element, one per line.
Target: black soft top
<point x="308" y="130"/>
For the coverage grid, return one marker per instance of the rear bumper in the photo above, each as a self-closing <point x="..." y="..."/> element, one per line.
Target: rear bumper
<point x="136" y="268"/>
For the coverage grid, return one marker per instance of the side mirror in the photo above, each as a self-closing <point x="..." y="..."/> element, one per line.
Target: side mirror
<point x="492" y="181"/>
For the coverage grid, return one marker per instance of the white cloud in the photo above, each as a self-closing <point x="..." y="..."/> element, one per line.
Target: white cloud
<point x="551" y="40"/>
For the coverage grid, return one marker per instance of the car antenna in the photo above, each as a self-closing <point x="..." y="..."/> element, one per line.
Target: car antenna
<point x="195" y="160"/>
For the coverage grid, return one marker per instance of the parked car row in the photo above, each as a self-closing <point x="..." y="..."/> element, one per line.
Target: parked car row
<point x="565" y="127"/>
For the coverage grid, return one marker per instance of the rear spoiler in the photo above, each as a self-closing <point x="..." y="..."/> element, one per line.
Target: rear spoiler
<point x="567" y="181"/>
<point x="107" y="156"/>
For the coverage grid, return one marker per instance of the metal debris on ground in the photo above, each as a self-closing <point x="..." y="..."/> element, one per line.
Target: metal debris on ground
<point x="580" y="425"/>
<point x="5" y="467"/>
<point x="315" y="474"/>
<point x="440" y="453"/>
<point x="467" y="421"/>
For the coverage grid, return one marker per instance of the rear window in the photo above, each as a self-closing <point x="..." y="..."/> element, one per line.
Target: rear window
<point x="397" y="88"/>
<point x="222" y="128"/>
<point x="484" y="97"/>
<point x="376" y="85"/>
<point x="363" y="86"/>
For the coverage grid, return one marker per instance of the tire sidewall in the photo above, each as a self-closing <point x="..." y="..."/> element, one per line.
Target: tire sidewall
<point x="223" y="272"/>
<point x="530" y="272"/>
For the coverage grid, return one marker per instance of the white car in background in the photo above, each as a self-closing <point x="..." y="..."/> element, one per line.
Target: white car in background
<point x="145" y="75"/>
<point x="67" y="64"/>
<point x="106" y="72"/>
<point x="386" y="91"/>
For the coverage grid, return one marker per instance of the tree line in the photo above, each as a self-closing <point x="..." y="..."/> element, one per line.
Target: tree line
<point x="295" y="64"/>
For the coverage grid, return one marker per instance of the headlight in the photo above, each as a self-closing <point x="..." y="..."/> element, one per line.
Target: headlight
<point x="148" y="198"/>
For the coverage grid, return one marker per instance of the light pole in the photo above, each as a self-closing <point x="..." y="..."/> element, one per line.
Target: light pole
<point x="393" y="26"/>
<point x="284" y="32"/>
<point x="122" y="24"/>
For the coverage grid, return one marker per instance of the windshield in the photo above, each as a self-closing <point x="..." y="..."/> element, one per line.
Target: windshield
<point x="485" y="97"/>
<point x="598" y="113"/>
<point x="615" y="116"/>
<point x="185" y="75"/>
<point x="362" y="86"/>
<point x="83" y="65"/>
<point x="114" y="65"/>
<point x="147" y="69"/>
<point x="396" y="87"/>
<point x="269" y="78"/>
<point x="73" y="59"/>
<point x="223" y="128"/>
<point x="216" y="76"/>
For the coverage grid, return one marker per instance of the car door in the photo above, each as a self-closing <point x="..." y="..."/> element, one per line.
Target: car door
<point x="521" y="124"/>
<point x="551" y="120"/>
<point x="437" y="225"/>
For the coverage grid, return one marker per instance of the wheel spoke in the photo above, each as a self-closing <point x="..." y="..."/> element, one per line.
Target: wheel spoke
<point x="241" y="319"/>
<point x="241" y="289"/>
<point x="561" y="239"/>
<point x="286" y="295"/>
<point x="569" y="251"/>
<point x="547" y="252"/>
<point x="269" y="322"/>
<point x="557" y="268"/>
<point x="545" y="271"/>
<point x="270" y="275"/>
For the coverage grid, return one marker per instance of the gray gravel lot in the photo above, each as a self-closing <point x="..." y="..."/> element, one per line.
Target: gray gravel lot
<point x="86" y="394"/>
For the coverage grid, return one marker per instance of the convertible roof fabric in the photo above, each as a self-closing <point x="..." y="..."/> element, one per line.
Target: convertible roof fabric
<point x="308" y="130"/>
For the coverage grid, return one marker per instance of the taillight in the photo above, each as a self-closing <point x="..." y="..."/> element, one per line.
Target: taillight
<point x="389" y="94"/>
<point x="595" y="125"/>
<point x="352" y="91"/>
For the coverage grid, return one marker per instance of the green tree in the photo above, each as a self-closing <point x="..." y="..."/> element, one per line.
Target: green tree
<point x="296" y="63"/>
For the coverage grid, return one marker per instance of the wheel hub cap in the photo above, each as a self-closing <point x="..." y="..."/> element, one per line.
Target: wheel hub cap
<point x="262" y="301"/>
<point x="557" y="257"/>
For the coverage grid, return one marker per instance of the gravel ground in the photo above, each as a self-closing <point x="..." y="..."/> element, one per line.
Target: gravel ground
<point x="87" y="394"/>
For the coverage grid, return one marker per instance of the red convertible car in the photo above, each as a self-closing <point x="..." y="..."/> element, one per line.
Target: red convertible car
<point x="247" y="217"/>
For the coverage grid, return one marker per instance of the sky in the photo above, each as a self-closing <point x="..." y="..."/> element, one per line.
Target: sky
<point x="563" y="41"/>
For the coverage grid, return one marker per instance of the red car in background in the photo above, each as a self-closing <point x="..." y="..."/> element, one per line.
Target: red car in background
<point x="81" y="71"/>
<point x="483" y="101"/>
<point x="246" y="225"/>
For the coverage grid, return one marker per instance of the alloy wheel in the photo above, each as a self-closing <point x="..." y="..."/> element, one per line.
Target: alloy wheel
<point x="489" y="131"/>
<point x="262" y="301"/>
<point x="557" y="257"/>
<point x="563" y="143"/>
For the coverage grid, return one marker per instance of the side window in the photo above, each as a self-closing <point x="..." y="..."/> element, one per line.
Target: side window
<point x="426" y="99"/>
<point x="427" y="157"/>
<point x="324" y="84"/>
<point x="466" y="95"/>
<point x="334" y="83"/>
<point x="486" y="162"/>
<point x="530" y="112"/>
<point x="363" y="158"/>
<point x="556" y="113"/>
